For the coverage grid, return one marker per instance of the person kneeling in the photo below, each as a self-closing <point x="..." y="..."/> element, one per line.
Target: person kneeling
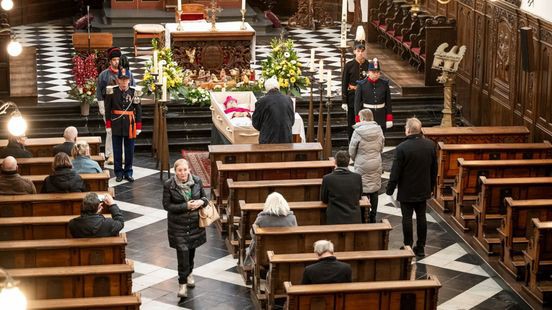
<point x="328" y="269"/>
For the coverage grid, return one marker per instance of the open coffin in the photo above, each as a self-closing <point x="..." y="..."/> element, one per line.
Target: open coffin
<point x="237" y="130"/>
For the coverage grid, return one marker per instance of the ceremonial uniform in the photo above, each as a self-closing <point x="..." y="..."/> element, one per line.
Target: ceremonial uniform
<point x="123" y="115"/>
<point x="352" y="73"/>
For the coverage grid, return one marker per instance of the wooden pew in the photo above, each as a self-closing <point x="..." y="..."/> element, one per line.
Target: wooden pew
<point x="367" y="266"/>
<point x="75" y="281"/>
<point x="131" y="302"/>
<point x="260" y="153"/>
<point x="473" y="135"/>
<point x="514" y="231"/>
<point x="311" y="169"/>
<point x="43" y="147"/>
<point x="42" y="204"/>
<point x="490" y="208"/>
<point x="43" y="165"/>
<point x="36" y="227"/>
<point x="538" y="258"/>
<point x="466" y="185"/>
<point x="63" y="252"/>
<point x="300" y="239"/>
<point x="257" y="191"/>
<point x="384" y="295"/>
<point x="94" y="181"/>
<point x="306" y="213"/>
<point x="448" y="155"/>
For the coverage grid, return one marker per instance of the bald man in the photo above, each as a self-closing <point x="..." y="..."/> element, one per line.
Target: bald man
<point x="70" y="135"/>
<point x="11" y="183"/>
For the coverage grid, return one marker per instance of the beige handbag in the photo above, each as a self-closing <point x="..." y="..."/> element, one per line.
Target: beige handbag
<point x="208" y="215"/>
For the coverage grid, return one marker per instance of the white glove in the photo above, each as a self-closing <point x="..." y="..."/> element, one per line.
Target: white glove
<point x="138" y="131"/>
<point x="388" y="124"/>
<point x="344" y="107"/>
<point x="108" y="130"/>
<point x="101" y="107"/>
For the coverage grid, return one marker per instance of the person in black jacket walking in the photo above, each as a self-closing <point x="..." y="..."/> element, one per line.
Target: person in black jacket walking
<point x="328" y="269"/>
<point x="342" y="190"/>
<point x="183" y="196"/>
<point x="91" y="223"/>
<point x="63" y="179"/>
<point x="414" y="171"/>
<point x="273" y="116"/>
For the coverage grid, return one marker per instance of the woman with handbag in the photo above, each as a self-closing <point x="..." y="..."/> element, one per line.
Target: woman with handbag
<point x="183" y="197"/>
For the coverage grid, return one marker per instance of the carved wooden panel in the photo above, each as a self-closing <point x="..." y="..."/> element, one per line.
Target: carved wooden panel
<point x="465" y="37"/>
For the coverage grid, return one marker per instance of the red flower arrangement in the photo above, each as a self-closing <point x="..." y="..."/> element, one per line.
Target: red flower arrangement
<point x="83" y="88"/>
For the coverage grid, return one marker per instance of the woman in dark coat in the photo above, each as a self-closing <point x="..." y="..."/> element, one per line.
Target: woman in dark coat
<point x="63" y="179"/>
<point x="183" y="195"/>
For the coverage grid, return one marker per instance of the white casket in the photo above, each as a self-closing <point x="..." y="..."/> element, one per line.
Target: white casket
<point x="236" y="131"/>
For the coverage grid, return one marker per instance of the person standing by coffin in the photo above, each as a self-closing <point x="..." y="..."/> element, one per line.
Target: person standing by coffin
<point x="373" y="93"/>
<point x="273" y="116"/>
<point x="355" y="70"/>
<point x="123" y="119"/>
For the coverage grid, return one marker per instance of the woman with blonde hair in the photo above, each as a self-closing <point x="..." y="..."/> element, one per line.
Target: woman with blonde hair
<point x="63" y="179"/>
<point x="365" y="150"/>
<point x="183" y="196"/>
<point x="81" y="159"/>
<point x="276" y="213"/>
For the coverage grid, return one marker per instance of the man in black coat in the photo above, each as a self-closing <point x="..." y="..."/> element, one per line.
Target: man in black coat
<point x="15" y="148"/>
<point x="355" y="70"/>
<point x="91" y="223"/>
<point x="70" y="135"/>
<point x="342" y="190"/>
<point x="273" y="116"/>
<point x="123" y="118"/>
<point x="414" y="171"/>
<point x="328" y="269"/>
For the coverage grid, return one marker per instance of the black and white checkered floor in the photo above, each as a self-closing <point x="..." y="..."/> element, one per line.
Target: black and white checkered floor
<point x="467" y="282"/>
<point x="54" y="52"/>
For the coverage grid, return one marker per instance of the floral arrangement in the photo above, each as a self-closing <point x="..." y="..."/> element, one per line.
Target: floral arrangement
<point x="283" y="63"/>
<point x="171" y="70"/>
<point x="197" y="96"/>
<point x="83" y="87"/>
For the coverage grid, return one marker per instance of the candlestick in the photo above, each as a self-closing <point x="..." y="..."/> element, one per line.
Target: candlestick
<point x="160" y="70"/>
<point x="164" y="89"/>
<point x="312" y="60"/>
<point x="242" y="27"/>
<point x="343" y="41"/>
<point x="154" y="67"/>
<point x="329" y="81"/>
<point x="321" y="69"/>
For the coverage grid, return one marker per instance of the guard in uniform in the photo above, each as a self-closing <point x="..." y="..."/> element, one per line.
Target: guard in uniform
<point x="354" y="71"/>
<point x="123" y="118"/>
<point x="373" y="93"/>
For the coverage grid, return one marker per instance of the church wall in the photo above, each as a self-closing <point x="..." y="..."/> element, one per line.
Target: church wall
<point x="492" y="86"/>
<point x="35" y="11"/>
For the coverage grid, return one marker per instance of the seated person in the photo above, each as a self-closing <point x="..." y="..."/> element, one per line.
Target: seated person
<point x="11" y="183"/>
<point x="276" y="213"/>
<point x="70" y="135"/>
<point x="15" y="148"/>
<point x="63" y="179"/>
<point x="91" y="223"/>
<point x="328" y="269"/>
<point x="81" y="159"/>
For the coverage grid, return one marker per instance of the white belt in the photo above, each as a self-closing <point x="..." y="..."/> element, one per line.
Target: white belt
<point x="374" y="106"/>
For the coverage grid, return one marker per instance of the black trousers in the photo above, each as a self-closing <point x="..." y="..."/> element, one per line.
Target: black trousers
<point x="373" y="210"/>
<point x="407" y="209"/>
<point x="185" y="264"/>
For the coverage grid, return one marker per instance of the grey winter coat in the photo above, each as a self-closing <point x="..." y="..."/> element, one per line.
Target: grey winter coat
<point x="183" y="225"/>
<point x="365" y="150"/>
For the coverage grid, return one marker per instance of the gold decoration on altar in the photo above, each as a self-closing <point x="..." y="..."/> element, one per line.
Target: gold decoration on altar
<point x="212" y="13"/>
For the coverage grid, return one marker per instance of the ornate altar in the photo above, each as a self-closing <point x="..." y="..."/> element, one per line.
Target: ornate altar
<point x="198" y="47"/>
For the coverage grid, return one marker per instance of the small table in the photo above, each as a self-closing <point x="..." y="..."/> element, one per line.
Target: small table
<point x="197" y="47"/>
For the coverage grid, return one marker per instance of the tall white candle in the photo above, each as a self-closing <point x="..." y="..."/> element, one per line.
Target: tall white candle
<point x="343" y="36"/>
<point x="329" y="84"/>
<point x="164" y="89"/>
<point x="321" y="69"/>
<point x="160" y="77"/>
<point x="179" y="5"/>
<point x="312" y="60"/>
<point x="243" y="5"/>
<point x="154" y="61"/>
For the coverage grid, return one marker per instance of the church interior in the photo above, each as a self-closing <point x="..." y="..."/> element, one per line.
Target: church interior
<point x="477" y="74"/>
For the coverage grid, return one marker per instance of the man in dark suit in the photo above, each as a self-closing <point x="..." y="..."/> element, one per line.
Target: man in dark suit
<point x="273" y="116"/>
<point x="342" y="190"/>
<point x="15" y="148"/>
<point x="328" y="269"/>
<point x="414" y="171"/>
<point x="70" y="135"/>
